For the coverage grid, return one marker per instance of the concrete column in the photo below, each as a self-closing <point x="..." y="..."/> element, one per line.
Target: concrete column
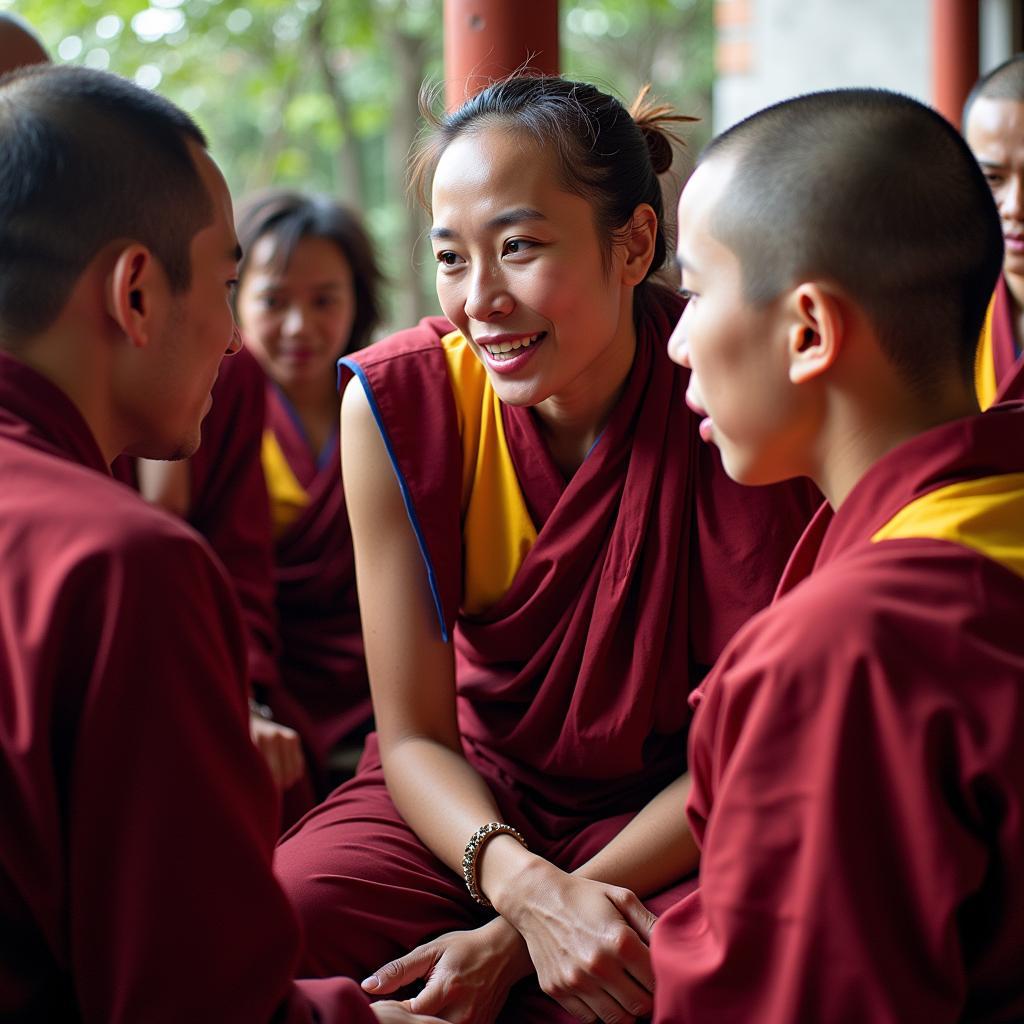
<point x="488" y="39"/>
<point x="955" y="44"/>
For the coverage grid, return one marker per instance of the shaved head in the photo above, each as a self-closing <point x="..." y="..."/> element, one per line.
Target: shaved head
<point x="1005" y="82"/>
<point x="877" y="194"/>
<point x="19" y="45"/>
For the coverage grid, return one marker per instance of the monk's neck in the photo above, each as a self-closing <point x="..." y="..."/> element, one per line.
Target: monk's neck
<point x="859" y="435"/>
<point x="572" y="420"/>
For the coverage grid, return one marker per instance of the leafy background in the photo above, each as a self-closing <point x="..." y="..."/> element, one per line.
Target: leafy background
<point x="322" y="94"/>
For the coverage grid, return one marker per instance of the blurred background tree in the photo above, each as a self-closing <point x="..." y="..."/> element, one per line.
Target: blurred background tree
<point x="322" y="94"/>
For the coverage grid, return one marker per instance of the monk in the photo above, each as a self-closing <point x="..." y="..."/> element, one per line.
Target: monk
<point x="857" y="753"/>
<point x="993" y="122"/>
<point x="135" y="875"/>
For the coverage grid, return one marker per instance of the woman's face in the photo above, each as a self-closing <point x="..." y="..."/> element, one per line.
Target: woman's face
<point x="297" y="321"/>
<point x="521" y="273"/>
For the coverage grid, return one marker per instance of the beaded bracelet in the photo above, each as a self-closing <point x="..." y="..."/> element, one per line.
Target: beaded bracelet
<point x="476" y="843"/>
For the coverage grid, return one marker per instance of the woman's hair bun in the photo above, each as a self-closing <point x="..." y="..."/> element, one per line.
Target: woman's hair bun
<point x="657" y="122"/>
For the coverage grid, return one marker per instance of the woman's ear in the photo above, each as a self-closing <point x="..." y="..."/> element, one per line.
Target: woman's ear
<point x="134" y="288"/>
<point x="638" y="238"/>
<point x="816" y="333"/>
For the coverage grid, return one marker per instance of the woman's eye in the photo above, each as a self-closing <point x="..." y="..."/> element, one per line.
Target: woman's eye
<point x="448" y="258"/>
<point x="687" y="294"/>
<point x="269" y="301"/>
<point x="514" y="245"/>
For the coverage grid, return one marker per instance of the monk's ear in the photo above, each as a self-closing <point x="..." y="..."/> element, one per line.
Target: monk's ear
<point x="638" y="238"/>
<point x="135" y="292"/>
<point x="816" y="332"/>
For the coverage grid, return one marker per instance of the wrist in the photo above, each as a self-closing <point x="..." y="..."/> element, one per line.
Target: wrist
<point x="517" y="881"/>
<point x="499" y="861"/>
<point x="503" y="938"/>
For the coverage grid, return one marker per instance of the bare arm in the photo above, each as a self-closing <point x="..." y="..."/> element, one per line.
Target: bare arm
<point x="411" y="669"/>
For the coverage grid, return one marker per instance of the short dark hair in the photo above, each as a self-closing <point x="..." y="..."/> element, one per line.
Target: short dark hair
<point x="287" y="217"/>
<point x="87" y="158"/>
<point x="1005" y="82"/>
<point x="879" y="194"/>
<point x="608" y="155"/>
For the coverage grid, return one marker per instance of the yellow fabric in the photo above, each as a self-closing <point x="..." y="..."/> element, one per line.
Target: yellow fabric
<point x="287" y="496"/>
<point x="986" y="515"/>
<point x="985" y="384"/>
<point x="497" y="531"/>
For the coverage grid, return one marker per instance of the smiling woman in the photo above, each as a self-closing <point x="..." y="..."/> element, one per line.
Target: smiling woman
<point x="548" y="560"/>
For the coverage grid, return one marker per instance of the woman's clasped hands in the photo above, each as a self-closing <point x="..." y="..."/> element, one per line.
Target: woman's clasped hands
<point x="586" y="941"/>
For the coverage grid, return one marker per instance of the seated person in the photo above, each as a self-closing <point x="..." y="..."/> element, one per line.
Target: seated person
<point x="135" y="857"/>
<point x="547" y="561"/>
<point x="307" y="293"/>
<point x="993" y="123"/>
<point x="857" y="755"/>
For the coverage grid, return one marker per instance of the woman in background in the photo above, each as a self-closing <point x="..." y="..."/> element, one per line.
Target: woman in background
<point x="308" y="293"/>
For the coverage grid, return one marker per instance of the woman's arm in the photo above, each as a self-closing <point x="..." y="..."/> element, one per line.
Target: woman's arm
<point x="411" y="669"/>
<point x="654" y="850"/>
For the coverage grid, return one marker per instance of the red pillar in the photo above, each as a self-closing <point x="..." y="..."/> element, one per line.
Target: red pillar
<point x="488" y="39"/>
<point x="954" y="54"/>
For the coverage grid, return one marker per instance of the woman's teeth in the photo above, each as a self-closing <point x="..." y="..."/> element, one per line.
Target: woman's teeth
<point x="502" y="350"/>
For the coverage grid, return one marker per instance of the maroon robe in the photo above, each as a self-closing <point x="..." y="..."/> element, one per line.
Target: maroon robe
<point x="1007" y="360"/>
<point x="858" y="774"/>
<point x="572" y="689"/>
<point x="138" y="819"/>
<point x="228" y="505"/>
<point x="324" y="694"/>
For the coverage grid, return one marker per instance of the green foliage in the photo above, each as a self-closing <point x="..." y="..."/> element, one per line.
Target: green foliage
<point x="306" y="92"/>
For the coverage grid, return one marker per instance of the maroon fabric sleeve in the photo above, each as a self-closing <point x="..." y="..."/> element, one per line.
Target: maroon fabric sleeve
<point x="857" y="795"/>
<point x="174" y="911"/>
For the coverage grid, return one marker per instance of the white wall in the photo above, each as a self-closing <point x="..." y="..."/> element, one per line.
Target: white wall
<point x="803" y="45"/>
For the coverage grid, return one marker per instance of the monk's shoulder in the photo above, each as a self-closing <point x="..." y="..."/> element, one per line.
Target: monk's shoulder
<point x="897" y="616"/>
<point x="63" y="514"/>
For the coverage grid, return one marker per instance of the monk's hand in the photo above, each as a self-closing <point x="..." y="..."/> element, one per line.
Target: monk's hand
<point x="588" y="942"/>
<point x="468" y="973"/>
<point x="399" y="1013"/>
<point x="281" y="749"/>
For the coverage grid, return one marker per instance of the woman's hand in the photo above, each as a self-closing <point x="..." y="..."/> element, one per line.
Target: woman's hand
<point x="281" y="749"/>
<point x="399" y="1013"/>
<point x="587" y="940"/>
<point x="468" y="973"/>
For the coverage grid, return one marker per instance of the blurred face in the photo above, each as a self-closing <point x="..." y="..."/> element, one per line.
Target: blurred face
<point x="739" y="384"/>
<point x="198" y="331"/>
<point x="995" y="132"/>
<point x="520" y="272"/>
<point x="297" y="320"/>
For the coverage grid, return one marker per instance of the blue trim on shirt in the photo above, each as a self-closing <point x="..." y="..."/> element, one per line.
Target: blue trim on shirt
<point x="403" y="487"/>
